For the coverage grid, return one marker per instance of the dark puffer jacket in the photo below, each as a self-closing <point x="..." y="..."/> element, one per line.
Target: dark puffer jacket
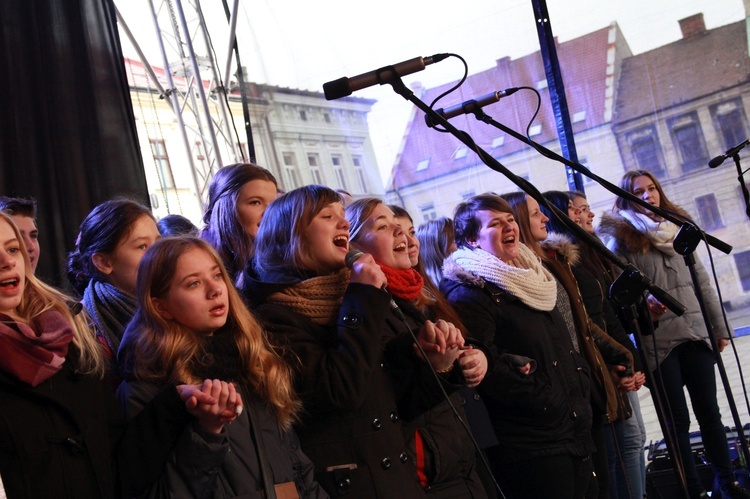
<point x="545" y="413"/>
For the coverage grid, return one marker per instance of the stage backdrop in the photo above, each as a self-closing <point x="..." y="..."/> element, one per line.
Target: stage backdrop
<point x="67" y="130"/>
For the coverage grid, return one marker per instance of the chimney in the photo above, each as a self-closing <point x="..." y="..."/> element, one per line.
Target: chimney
<point x="692" y="26"/>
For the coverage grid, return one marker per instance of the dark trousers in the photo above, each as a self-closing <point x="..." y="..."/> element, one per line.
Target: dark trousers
<point x="550" y="477"/>
<point x="691" y="365"/>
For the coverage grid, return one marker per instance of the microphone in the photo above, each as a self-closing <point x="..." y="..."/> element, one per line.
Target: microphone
<point x="718" y="160"/>
<point x="351" y="257"/>
<point x="470" y="106"/>
<point x="345" y="86"/>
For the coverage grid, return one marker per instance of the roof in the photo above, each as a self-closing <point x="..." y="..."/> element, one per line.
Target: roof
<point x="584" y="67"/>
<point x="682" y="71"/>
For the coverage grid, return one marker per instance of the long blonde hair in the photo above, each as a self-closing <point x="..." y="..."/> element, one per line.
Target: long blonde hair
<point x="161" y="350"/>
<point x="39" y="297"/>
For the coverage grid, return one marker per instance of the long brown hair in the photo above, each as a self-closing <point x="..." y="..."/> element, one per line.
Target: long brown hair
<point x="38" y="298"/>
<point x="162" y="350"/>
<point x="520" y="210"/>
<point x="626" y="183"/>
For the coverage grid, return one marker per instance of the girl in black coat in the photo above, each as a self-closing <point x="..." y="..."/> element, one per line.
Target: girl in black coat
<point x="358" y="379"/>
<point x="61" y="434"/>
<point x="190" y="325"/>
<point x="538" y="390"/>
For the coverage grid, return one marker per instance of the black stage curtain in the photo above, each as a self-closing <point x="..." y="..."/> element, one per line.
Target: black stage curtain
<point x="68" y="135"/>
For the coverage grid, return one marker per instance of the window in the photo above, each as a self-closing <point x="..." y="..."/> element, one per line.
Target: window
<point x="498" y="141"/>
<point x="646" y="150"/>
<point x="729" y="120"/>
<point x="317" y="175"/>
<point x="293" y="177"/>
<point x="428" y="212"/>
<point x="336" y="160"/>
<point x="423" y="165"/>
<point x="535" y="130"/>
<point x="541" y="84"/>
<point x="289" y="159"/>
<point x="460" y="152"/>
<point x="362" y="179"/>
<point x="303" y="115"/>
<point x="466" y="195"/>
<point x="327" y="117"/>
<point x="579" y="116"/>
<point x="742" y="261"/>
<point x="356" y="160"/>
<point x="341" y="178"/>
<point x="163" y="167"/>
<point x="688" y="140"/>
<point x="708" y="211"/>
<point x="313" y="160"/>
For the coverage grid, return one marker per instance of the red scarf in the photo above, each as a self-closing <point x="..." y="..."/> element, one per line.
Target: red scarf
<point x="33" y="353"/>
<point x="404" y="284"/>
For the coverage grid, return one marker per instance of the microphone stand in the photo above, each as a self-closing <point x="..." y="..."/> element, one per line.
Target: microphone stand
<point x="685" y="243"/>
<point x="741" y="180"/>
<point x="635" y="283"/>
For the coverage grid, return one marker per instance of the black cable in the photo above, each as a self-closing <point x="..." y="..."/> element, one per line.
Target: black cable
<point x="397" y="311"/>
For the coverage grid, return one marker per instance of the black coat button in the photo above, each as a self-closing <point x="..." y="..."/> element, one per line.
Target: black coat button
<point x="376" y="424"/>
<point x="351" y="320"/>
<point x="394" y="417"/>
<point x="343" y="484"/>
<point x="477" y="397"/>
<point x="386" y="463"/>
<point x="403" y="457"/>
<point x="74" y="446"/>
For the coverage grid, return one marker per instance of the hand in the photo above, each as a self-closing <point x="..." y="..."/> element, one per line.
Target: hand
<point x="655" y="308"/>
<point x="473" y="364"/>
<point x="442" y="343"/>
<point x="640" y="380"/>
<point x="623" y="383"/>
<point x="226" y="406"/>
<point x="525" y="369"/>
<point x="366" y="271"/>
<point x="722" y="343"/>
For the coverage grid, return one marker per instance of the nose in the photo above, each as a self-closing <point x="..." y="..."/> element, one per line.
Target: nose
<point x="214" y="289"/>
<point x="343" y="223"/>
<point x="545" y="218"/>
<point x="6" y="260"/>
<point x="397" y="230"/>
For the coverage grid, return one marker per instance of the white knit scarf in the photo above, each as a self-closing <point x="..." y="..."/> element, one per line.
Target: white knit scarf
<point x="524" y="277"/>
<point x="661" y="234"/>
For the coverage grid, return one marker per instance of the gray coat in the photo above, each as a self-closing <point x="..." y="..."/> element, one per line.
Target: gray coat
<point x="670" y="273"/>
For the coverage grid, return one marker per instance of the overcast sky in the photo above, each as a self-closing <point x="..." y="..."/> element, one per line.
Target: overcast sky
<point x="303" y="44"/>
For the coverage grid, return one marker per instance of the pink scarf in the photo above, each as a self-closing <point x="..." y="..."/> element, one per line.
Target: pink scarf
<point x="35" y="352"/>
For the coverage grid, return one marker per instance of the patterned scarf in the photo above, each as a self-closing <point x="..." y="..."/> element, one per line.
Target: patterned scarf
<point x="404" y="284"/>
<point x="523" y="277"/>
<point x="318" y="298"/>
<point x="661" y="234"/>
<point x="111" y="308"/>
<point x="34" y="353"/>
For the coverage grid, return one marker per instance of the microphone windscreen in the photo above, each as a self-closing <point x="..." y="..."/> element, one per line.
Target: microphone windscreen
<point x="337" y="88"/>
<point x="351" y="257"/>
<point x="717" y="161"/>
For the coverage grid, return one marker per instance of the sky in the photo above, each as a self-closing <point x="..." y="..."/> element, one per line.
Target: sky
<point x="302" y="44"/>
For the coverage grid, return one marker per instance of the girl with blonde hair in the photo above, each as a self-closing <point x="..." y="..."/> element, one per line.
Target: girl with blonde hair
<point x="58" y="415"/>
<point x="191" y="324"/>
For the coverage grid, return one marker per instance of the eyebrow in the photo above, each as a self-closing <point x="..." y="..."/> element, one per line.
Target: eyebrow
<point x="195" y="274"/>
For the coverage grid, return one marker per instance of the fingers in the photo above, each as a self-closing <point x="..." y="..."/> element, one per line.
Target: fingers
<point x="366" y="271"/>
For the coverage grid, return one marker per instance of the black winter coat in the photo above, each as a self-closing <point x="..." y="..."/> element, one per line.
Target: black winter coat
<point x="67" y="438"/>
<point x="444" y="454"/>
<point x="351" y="425"/>
<point x="545" y="413"/>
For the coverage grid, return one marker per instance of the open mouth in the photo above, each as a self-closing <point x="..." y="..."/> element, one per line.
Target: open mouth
<point x="9" y="283"/>
<point x="400" y="247"/>
<point x="341" y="241"/>
<point x="509" y="240"/>
<point x="218" y="309"/>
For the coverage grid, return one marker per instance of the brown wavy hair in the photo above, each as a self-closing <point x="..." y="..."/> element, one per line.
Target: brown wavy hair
<point x="626" y="183"/>
<point x="161" y="350"/>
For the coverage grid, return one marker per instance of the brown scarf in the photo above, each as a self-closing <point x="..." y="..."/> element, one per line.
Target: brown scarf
<point x="33" y="353"/>
<point x="318" y="298"/>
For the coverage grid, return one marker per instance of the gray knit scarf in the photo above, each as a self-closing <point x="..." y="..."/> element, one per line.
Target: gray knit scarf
<point x="111" y="308"/>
